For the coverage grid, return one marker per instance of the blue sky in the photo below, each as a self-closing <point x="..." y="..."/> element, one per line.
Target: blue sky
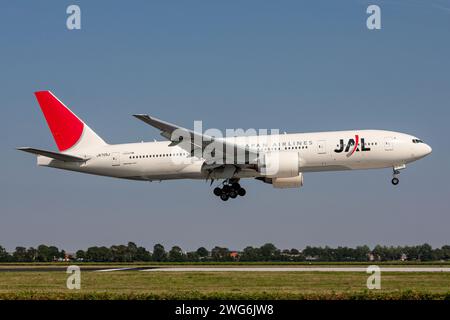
<point x="294" y="65"/>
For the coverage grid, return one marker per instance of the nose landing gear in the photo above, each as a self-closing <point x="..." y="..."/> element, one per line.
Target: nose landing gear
<point x="229" y="190"/>
<point x="396" y="172"/>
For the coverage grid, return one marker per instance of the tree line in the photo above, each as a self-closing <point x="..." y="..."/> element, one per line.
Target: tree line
<point x="267" y="252"/>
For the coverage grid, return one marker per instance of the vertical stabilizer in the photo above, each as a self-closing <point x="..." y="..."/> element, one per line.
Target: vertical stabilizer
<point x="71" y="134"/>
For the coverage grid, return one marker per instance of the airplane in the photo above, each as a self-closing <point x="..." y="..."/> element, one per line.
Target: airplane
<point x="277" y="159"/>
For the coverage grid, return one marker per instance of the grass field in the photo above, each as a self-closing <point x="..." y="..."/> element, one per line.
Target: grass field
<point x="223" y="285"/>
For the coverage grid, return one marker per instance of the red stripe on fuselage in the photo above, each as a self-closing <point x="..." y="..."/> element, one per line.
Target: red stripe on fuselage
<point x="356" y="144"/>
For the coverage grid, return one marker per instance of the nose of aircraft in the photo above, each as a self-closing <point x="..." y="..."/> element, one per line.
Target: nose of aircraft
<point x="427" y="149"/>
<point x="423" y="150"/>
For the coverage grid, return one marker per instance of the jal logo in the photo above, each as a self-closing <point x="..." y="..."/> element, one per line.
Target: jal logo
<point x="352" y="146"/>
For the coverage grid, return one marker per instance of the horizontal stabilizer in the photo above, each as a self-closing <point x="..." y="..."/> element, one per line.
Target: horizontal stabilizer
<point x="54" y="155"/>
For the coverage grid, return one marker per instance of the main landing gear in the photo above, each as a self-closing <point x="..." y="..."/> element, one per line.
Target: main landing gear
<point x="229" y="190"/>
<point x="396" y="173"/>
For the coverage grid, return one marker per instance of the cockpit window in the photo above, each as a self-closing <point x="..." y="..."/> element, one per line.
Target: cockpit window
<point x="417" y="141"/>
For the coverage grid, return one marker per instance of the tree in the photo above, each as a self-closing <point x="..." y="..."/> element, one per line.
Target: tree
<point x="47" y="254"/>
<point x="202" y="252"/>
<point x="142" y="254"/>
<point x="81" y="255"/>
<point x="4" y="256"/>
<point x="32" y="254"/>
<point x="220" y="254"/>
<point x="54" y="253"/>
<point x="445" y="253"/>
<point x="119" y="253"/>
<point x="251" y="254"/>
<point x="269" y="252"/>
<point x="425" y="252"/>
<point x="99" y="254"/>
<point x="412" y="253"/>
<point x="132" y="251"/>
<point x="20" y="255"/>
<point x="311" y="252"/>
<point x="362" y="253"/>
<point x="159" y="253"/>
<point x="192" y="256"/>
<point x="176" y="254"/>
<point x="43" y="253"/>
<point x="380" y="251"/>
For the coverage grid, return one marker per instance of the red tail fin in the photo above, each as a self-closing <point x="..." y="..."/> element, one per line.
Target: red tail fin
<point x="67" y="129"/>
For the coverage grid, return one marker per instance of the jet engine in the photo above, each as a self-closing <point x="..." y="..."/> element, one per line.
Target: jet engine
<point x="281" y="169"/>
<point x="292" y="182"/>
<point x="279" y="165"/>
<point x="284" y="183"/>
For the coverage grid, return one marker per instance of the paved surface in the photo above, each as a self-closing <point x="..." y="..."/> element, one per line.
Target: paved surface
<point x="117" y="269"/>
<point x="228" y="269"/>
<point x="31" y="269"/>
<point x="63" y="269"/>
<point x="298" y="269"/>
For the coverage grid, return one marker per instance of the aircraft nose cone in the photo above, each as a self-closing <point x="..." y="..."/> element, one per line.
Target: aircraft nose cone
<point x="424" y="150"/>
<point x="428" y="150"/>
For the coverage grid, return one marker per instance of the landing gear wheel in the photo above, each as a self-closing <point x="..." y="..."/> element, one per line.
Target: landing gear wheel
<point x="236" y="186"/>
<point x="229" y="189"/>
<point x="217" y="191"/>
<point x="224" y="196"/>
<point x="395" y="181"/>
<point x="226" y="188"/>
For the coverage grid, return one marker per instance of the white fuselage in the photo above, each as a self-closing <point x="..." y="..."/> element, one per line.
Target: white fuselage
<point x="320" y="151"/>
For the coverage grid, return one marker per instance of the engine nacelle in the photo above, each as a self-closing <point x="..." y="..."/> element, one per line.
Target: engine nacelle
<point x="292" y="182"/>
<point x="279" y="165"/>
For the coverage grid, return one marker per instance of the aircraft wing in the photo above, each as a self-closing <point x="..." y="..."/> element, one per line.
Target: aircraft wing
<point x="53" y="155"/>
<point x="194" y="141"/>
